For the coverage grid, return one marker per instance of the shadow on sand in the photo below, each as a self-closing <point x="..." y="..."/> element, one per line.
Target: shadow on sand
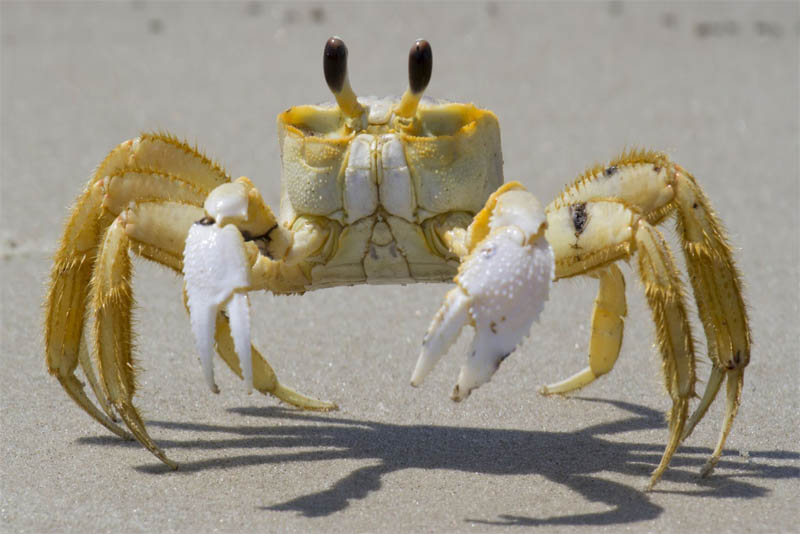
<point x="576" y="459"/>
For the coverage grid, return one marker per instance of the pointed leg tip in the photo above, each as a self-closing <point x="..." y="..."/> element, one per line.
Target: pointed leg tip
<point x="158" y="453"/>
<point x="708" y="468"/>
<point x="655" y="477"/>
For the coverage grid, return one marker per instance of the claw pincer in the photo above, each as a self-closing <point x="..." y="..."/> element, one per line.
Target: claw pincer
<point x="502" y="285"/>
<point x="217" y="274"/>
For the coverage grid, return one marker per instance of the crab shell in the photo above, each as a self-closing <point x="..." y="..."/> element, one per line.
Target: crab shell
<point x="381" y="188"/>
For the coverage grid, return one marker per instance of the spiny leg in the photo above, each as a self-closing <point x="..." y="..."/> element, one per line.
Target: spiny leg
<point x="91" y="376"/>
<point x="112" y="300"/>
<point x="718" y="291"/>
<point x="66" y="304"/>
<point x="606" y="335"/>
<point x="665" y="294"/>
<point x="713" y="384"/>
<point x="733" y="399"/>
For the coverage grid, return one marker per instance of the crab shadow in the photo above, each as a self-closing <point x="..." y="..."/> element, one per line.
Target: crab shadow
<point x="575" y="459"/>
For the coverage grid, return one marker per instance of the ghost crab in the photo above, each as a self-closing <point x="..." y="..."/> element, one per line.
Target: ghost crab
<point x="383" y="191"/>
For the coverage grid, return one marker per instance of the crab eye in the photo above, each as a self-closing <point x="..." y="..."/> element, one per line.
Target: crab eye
<point x="420" y="65"/>
<point x="334" y="63"/>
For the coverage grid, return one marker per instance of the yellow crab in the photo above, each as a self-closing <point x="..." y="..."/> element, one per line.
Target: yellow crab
<point x="387" y="191"/>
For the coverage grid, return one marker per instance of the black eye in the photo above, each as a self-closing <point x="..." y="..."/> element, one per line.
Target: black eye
<point x="334" y="63"/>
<point x="420" y="65"/>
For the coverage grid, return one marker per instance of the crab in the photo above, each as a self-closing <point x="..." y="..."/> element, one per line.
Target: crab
<point x="382" y="190"/>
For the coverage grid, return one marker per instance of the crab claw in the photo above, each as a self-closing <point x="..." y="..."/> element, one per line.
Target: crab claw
<point x="216" y="272"/>
<point x="502" y="285"/>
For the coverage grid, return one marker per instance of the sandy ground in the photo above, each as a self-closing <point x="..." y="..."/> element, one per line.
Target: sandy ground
<point x="715" y="85"/>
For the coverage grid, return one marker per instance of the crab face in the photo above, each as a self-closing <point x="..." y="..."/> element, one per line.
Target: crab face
<point x="384" y="177"/>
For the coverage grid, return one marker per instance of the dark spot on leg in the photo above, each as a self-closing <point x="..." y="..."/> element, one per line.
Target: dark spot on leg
<point x="737" y="358"/>
<point x="206" y="221"/>
<point x="656" y="169"/>
<point x="694" y="205"/>
<point x="610" y="171"/>
<point x="580" y="217"/>
<point x="493" y="327"/>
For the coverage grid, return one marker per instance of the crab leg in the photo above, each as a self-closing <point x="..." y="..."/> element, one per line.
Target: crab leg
<point x="717" y="288"/>
<point x="665" y="294"/>
<point x="66" y="302"/>
<point x="264" y="379"/>
<point x="502" y="285"/>
<point x="734" y="397"/>
<point x="75" y="260"/>
<point x="112" y="299"/>
<point x="581" y="246"/>
<point x="607" y="328"/>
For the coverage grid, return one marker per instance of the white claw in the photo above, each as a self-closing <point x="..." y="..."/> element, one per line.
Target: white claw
<point x="214" y="268"/>
<point x="502" y="287"/>
<point x="444" y="330"/>
<point x="238" y="309"/>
